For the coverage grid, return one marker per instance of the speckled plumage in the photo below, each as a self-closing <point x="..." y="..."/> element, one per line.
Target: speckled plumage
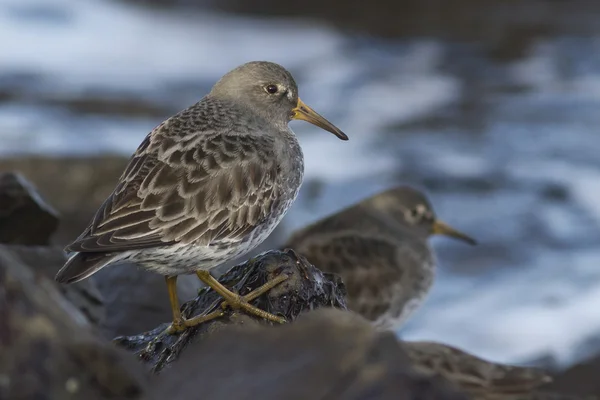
<point x="379" y="248"/>
<point x="479" y="378"/>
<point x="205" y="186"/>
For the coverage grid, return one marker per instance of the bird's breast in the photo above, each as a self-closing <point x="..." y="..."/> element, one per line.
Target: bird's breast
<point x="291" y="162"/>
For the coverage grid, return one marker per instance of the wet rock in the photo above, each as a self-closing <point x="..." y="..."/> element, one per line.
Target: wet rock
<point x="327" y="353"/>
<point x="75" y="186"/>
<point x="580" y="380"/>
<point x="47" y="350"/>
<point x="46" y="261"/>
<point x="25" y="218"/>
<point x="306" y="289"/>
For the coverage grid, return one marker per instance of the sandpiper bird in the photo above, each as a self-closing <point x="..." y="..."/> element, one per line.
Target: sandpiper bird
<point x="379" y="248"/>
<point x="205" y="186"/>
<point x="479" y="378"/>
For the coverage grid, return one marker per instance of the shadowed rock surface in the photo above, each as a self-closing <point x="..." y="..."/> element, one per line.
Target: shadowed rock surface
<point x="46" y="261"/>
<point x="76" y="186"/>
<point x="25" y="218"/>
<point x="306" y="289"/>
<point x="325" y="354"/>
<point x="47" y="350"/>
<point x="581" y="379"/>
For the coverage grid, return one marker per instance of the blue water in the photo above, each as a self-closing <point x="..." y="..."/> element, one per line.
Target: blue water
<point x="508" y="151"/>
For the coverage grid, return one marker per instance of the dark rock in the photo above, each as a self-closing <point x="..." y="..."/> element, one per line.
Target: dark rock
<point x="25" y="218"/>
<point x="555" y="396"/>
<point x="326" y="353"/>
<point x="580" y="380"/>
<point x="47" y="261"/>
<point x="47" y="350"/>
<point x="75" y="186"/>
<point x="306" y="289"/>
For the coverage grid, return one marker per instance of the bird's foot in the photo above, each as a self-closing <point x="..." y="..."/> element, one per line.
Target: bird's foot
<point x="178" y="326"/>
<point x="200" y="319"/>
<point x="237" y="302"/>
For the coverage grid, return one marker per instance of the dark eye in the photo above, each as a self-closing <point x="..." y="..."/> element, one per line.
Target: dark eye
<point x="414" y="215"/>
<point x="271" y="89"/>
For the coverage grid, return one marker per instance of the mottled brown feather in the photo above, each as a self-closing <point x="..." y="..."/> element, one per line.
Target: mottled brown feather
<point x="370" y="267"/>
<point x="175" y="189"/>
<point x="478" y="377"/>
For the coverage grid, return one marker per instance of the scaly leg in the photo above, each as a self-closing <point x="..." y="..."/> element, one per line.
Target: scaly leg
<point x="179" y="323"/>
<point x="236" y="301"/>
<point x="259" y="291"/>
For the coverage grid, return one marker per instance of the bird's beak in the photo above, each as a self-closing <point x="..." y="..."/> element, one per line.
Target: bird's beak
<point x="441" y="228"/>
<point x="304" y="112"/>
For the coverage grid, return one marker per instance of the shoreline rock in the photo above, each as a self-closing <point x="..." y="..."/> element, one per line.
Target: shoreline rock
<point x="25" y="218"/>
<point x="47" y="348"/>
<point x="75" y="186"/>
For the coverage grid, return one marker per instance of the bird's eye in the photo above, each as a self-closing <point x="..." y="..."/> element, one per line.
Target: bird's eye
<point x="414" y="215"/>
<point x="271" y="89"/>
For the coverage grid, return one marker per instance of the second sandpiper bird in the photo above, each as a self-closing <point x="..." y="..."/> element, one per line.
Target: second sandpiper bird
<point x="206" y="186"/>
<point x="379" y="248"/>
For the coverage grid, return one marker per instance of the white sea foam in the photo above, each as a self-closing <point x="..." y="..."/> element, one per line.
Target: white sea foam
<point x="544" y="311"/>
<point x="111" y="44"/>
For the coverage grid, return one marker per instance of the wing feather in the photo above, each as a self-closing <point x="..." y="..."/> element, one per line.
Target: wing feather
<point x="212" y="189"/>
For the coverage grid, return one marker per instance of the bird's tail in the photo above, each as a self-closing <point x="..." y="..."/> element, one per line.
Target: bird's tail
<point x="81" y="265"/>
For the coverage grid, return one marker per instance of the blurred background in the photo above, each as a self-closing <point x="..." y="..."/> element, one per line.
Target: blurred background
<point x="492" y="106"/>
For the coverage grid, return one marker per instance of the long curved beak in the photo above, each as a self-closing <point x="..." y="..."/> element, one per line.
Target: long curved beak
<point x="305" y="113"/>
<point x="441" y="228"/>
